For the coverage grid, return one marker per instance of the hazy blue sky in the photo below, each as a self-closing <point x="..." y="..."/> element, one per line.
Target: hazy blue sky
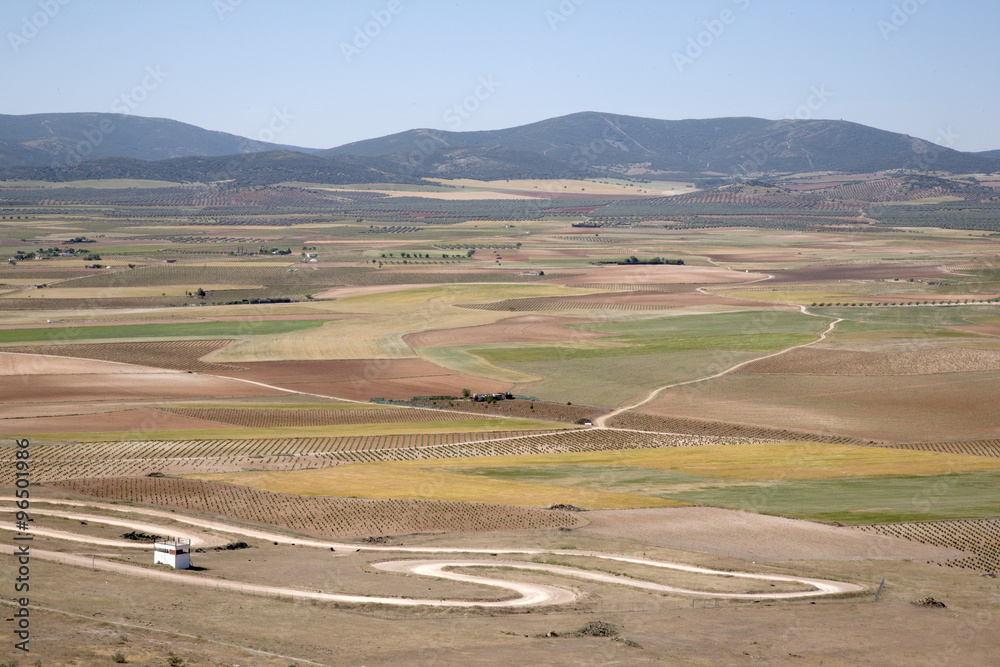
<point x="298" y="70"/>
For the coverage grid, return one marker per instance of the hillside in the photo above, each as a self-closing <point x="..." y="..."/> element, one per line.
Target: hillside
<point x="609" y="142"/>
<point x="56" y="139"/>
<point x="244" y="169"/>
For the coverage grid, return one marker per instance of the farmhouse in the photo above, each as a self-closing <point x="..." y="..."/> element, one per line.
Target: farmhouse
<point x="173" y="552"/>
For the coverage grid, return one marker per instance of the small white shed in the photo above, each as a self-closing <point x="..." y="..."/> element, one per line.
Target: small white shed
<point x="173" y="552"/>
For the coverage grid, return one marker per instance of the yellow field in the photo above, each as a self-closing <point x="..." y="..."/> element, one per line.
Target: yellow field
<point x="471" y="425"/>
<point x="121" y="292"/>
<point x="402" y="480"/>
<point x="449" y="294"/>
<point x="392" y="316"/>
<point x="789" y="460"/>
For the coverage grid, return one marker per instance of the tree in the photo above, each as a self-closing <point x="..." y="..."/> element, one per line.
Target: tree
<point x="466" y="393"/>
<point x="200" y="293"/>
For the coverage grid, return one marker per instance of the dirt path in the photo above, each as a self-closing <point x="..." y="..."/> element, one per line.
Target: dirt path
<point x="529" y="594"/>
<point x="601" y="422"/>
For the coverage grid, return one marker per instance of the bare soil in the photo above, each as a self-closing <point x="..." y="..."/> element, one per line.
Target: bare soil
<point x="123" y="420"/>
<point x="754" y="536"/>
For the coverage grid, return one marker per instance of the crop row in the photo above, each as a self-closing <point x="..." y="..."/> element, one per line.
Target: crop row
<point x="291" y="417"/>
<point x="319" y="516"/>
<point x="989" y="448"/>
<point x="136" y="458"/>
<point x="980" y="537"/>
<point x="646" y="422"/>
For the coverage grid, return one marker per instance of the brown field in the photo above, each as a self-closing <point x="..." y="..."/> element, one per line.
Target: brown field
<point x="123" y="420"/>
<point x="912" y="360"/>
<point x="363" y="379"/>
<point x="643" y="421"/>
<point x="660" y="274"/>
<point x="319" y="516"/>
<point x="833" y="273"/>
<point x="944" y="406"/>
<point x="978" y="538"/>
<point x="519" y="329"/>
<point x="36" y="365"/>
<point x="755" y="536"/>
<point x="181" y="355"/>
<point x="290" y="417"/>
<point x="149" y="383"/>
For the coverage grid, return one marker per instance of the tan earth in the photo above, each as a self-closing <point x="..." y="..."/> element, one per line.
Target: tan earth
<point x="124" y="420"/>
<point x="521" y="329"/>
<point x="755" y="536"/>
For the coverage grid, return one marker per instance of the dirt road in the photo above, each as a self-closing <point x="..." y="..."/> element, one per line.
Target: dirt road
<point x="529" y="594"/>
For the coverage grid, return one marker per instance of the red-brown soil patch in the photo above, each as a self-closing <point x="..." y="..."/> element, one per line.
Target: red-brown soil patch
<point x="943" y="406"/>
<point x="139" y="420"/>
<point x="181" y="355"/>
<point x="362" y="379"/>
<point x="920" y="360"/>
<point x="116" y="386"/>
<point x="320" y="516"/>
<point x="642" y="421"/>
<point x="855" y="272"/>
<point x="292" y="418"/>
<point x="521" y="329"/>
<point x="33" y="365"/>
<point x="754" y="536"/>
<point x="658" y="273"/>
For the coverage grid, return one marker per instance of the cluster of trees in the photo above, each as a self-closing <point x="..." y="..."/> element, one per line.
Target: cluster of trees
<point x="655" y="260"/>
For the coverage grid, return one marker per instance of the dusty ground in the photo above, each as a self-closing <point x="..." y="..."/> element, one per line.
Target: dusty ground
<point x="521" y="329"/>
<point x="363" y="379"/>
<point x="825" y="274"/>
<point x="653" y="274"/>
<point x="754" y="536"/>
<point x="97" y="614"/>
<point x="151" y="383"/>
<point x="123" y="420"/>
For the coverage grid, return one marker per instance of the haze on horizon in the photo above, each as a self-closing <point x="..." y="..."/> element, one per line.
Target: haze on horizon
<point x="337" y="74"/>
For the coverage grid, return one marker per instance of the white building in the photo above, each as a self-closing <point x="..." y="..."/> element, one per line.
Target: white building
<point x="173" y="552"/>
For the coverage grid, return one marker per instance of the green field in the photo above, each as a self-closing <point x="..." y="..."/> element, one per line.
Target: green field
<point x="181" y="330"/>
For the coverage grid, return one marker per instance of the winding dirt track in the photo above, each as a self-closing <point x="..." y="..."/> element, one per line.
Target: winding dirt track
<point x="529" y="594"/>
<point x="601" y="422"/>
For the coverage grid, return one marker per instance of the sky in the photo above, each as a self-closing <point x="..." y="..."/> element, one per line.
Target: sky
<point x="321" y="74"/>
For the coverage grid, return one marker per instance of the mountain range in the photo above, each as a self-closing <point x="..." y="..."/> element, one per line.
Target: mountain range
<point x="72" y="146"/>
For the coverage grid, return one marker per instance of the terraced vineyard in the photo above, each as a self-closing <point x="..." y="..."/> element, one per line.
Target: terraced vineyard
<point x="319" y="516"/>
<point x="646" y="422"/>
<point x="980" y="537"/>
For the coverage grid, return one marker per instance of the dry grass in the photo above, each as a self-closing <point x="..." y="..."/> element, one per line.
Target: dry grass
<point x="424" y="481"/>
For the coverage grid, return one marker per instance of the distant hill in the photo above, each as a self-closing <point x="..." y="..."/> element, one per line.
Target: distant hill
<point x="54" y="139"/>
<point x="244" y="169"/>
<point x="62" y="147"/>
<point x="725" y="146"/>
